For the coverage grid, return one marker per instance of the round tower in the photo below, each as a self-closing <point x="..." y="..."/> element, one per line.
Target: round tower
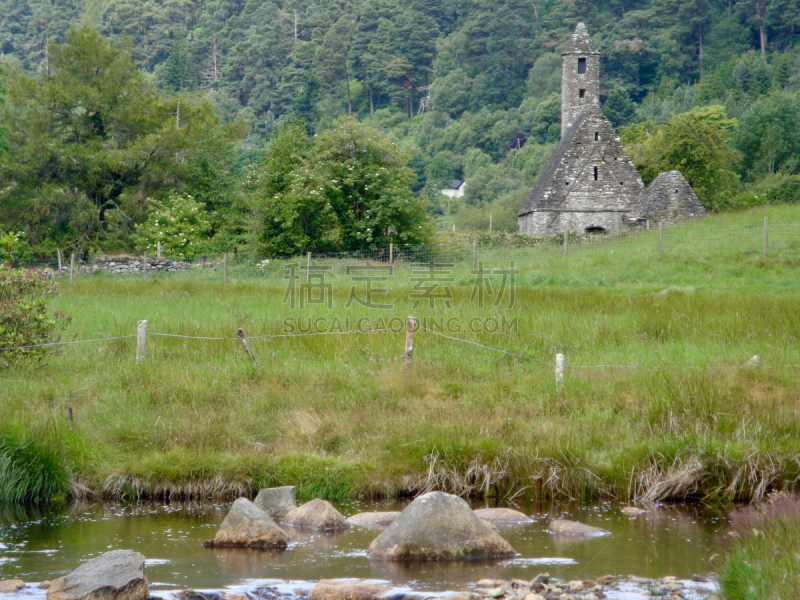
<point x="580" y="77"/>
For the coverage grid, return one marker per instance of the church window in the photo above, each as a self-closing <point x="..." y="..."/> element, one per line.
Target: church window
<point x="581" y="66"/>
<point x="595" y="173"/>
<point x="596" y="136"/>
<point x="566" y="183"/>
<point x="581" y="93"/>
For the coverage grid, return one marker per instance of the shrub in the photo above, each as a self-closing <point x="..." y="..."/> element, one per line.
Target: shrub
<point x="181" y="225"/>
<point x="24" y="319"/>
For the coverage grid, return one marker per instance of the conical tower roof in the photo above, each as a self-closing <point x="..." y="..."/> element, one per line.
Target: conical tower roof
<point x="580" y="42"/>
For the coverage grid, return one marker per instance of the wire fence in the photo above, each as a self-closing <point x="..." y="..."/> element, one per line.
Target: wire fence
<point x="720" y="241"/>
<point x="412" y="327"/>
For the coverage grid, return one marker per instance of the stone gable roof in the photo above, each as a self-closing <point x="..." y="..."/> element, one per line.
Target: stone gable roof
<point x="580" y="42"/>
<point x="569" y="161"/>
<point x="670" y="198"/>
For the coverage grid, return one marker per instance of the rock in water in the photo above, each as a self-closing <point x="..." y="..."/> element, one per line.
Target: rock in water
<point x="278" y="501"/>
<point x="502" y="515"/>
<point x="248" y="526"/>
<point x="116" y="575"/>
<point x="438" y="526"/>
<point x="380" y="520"/>
<point x="573" y="528"/>
<point x="631" y="510"/>
<point x="331" y="589"/>
<point x="9" y="586"/>
<point x="317" y="514"/>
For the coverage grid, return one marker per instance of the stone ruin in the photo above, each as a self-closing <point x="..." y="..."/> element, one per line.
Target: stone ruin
<point x="590" y="184"/>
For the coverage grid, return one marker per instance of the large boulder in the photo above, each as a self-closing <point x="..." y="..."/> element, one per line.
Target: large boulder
<point x="502" y="515"/>
<point x="438" y="527"/>
<point x="575" y="529"/>
<point x="317" y="514"/>
<point x="378" y="520"/>
<point x="332" y="589"/>
<point x="248" y="526"/>
<point x="278" y="501"/>
<point x="116" y="575"/>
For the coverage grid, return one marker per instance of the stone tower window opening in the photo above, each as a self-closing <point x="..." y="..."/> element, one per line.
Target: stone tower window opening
<point x="596" y="136"/>
<point x="581" y="93"/>
<point x="581" y="66"/>
<point x="595" y="173"/>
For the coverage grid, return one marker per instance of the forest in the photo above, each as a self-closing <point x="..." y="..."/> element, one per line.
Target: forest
<point x="280" y="126"/>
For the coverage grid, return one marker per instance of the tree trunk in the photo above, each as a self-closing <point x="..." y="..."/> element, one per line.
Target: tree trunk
<point x="763" y="38"/>
<point x="347" y="80"/>
<point x="371" y="103"/>
<point x="700" y="54"/>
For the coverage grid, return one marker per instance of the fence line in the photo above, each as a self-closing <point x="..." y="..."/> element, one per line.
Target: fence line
<point x="413" y="325"/>
<point x="698" y="239"/>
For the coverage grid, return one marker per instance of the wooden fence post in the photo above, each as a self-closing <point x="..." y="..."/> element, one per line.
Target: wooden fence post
<point x="559" y="370"/>
<point x="144" y="268"/>
<point x="411" y="327"/>
<point x="308" y="267"/>
<point x="766" y="235"/>
<point x="566" y="243"/>
<point x="225" y="269"/>
<point x="648" y="224"/>
<point x="68" y="412"/>
<point x="474" y="252"/>
<point x="391" y="258"/>
<point x="158" y="250"/>
<point x="660" y="239"/>
<point x="58" y="253"/>
<point x="71" y="266"/>
<point x="141" y="341"/>
<point x="246" y="344"/>
<point x="490" y="223"/>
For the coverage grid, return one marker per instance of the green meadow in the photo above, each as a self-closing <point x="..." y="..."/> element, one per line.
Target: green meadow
<point x="656" y="401"/>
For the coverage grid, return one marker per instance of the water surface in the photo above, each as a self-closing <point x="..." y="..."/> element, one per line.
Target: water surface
<point x="42" y="544"/>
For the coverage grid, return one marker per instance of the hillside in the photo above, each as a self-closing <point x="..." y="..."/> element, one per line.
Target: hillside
<point x="469" y="90"/>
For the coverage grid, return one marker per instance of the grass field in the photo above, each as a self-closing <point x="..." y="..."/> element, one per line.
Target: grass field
<point x="339" y="415"/>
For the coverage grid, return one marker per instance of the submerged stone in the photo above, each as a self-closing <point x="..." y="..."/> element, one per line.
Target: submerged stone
<point x="574" y="528"/>
<point x="439" y="527"/>
<point x="332" y="589"/>
<point x="374" y="519"/>
<point x="502" y="515"/>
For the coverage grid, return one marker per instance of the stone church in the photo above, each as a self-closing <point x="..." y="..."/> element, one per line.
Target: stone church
<point x="590" y="183"/>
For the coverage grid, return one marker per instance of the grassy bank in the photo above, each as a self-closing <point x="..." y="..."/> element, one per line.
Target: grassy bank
<point x="762" y="560"/>
<point x="339" y="416"/>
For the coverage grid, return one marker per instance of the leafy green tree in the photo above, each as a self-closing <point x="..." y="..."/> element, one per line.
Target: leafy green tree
<point x="180" y="223"/>
<point x="696" y="143"/>
<point x="92" y="141"/>
<point x="367" y="183"/>
<point x="619" y="108"/>
<point x="768" y="136"/>
<point x="348" y="189"/>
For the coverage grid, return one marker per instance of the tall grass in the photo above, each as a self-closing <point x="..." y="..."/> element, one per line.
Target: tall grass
<point x="30" y="472"/>
<point x="762" y="562"/>
<point x="340" y="415"/>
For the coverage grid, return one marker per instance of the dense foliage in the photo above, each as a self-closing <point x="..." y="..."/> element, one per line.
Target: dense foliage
<point x="180" y="96"/>
<point x="25" y="321"/>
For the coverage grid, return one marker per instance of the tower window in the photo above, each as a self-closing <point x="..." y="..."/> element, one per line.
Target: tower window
<point x="596" y="136"/>
<point x="581" y="66"/>
<point x="581" y="93"/>
<point x="595" y="173"/>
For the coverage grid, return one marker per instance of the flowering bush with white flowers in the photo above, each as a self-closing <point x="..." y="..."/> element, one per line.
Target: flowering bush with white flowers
<point x="180" y="223"/>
